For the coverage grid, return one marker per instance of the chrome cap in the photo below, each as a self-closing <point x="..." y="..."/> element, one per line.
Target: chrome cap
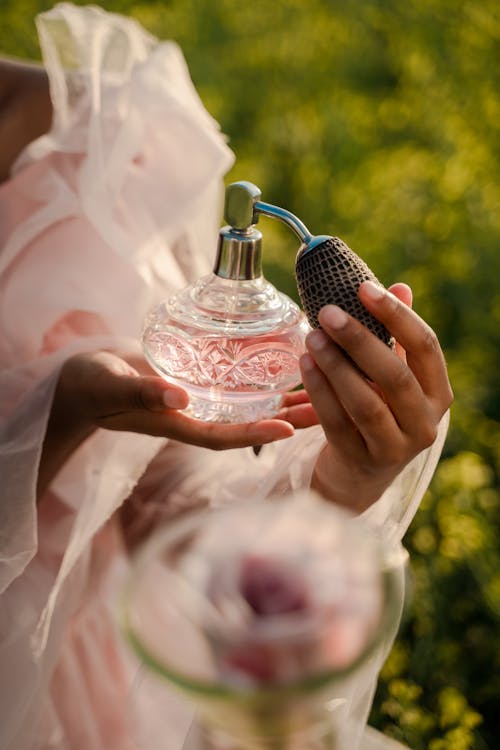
<point x="239" y="254"/>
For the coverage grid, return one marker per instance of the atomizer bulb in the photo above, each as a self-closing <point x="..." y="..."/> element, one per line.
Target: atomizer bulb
<point x="328" y="272"/>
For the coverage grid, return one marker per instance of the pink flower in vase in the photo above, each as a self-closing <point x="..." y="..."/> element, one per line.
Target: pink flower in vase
<point x="286" y="632"/>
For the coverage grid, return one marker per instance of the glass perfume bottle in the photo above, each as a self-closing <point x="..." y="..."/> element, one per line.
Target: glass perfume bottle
<point x="231" y="339"/>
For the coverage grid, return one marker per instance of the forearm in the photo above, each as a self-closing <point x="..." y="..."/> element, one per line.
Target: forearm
<point x="66" y="430"/>
<point x="60" y="443"/>
<point x="25" y="109"/>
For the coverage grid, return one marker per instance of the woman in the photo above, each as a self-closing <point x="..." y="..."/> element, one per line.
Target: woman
<point x="101" y="216"/>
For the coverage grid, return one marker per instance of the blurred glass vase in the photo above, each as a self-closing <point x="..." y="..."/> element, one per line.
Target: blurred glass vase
<point x="263" y="615"/>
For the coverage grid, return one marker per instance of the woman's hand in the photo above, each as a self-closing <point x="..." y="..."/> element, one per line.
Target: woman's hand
<point x="103" y="389"/>
<point x="374" y="426"/>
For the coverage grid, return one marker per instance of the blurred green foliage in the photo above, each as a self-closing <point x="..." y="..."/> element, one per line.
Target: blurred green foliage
<point x="379" y="121"/>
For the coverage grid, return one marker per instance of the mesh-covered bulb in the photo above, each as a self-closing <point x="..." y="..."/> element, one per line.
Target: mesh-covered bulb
<point x="330" y="273"/>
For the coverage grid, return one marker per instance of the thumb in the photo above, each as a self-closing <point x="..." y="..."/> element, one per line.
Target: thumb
<point x="133" y="393"/>
<point x="403" y="292"/>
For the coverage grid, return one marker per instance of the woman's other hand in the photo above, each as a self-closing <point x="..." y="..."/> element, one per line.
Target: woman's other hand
<point x="376" y="424"/>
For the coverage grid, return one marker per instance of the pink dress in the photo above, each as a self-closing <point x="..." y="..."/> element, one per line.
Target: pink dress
<point x="115" y="207"/>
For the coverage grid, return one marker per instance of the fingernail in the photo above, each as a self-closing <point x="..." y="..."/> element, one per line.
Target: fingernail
<point x="317" y="340"/>
<point x="174" y="399"/>
<point x="307" y="363"/>
<point x="373" y="291"/>
<point x="334" y="316"/>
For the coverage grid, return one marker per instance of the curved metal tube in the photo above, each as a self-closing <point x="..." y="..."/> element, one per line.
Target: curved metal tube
<point x="275" y="212"/>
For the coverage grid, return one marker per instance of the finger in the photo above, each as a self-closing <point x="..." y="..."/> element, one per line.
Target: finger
<point x="179" y="426"/>
<point x="299" y="415"/>
<point x="295" y="397"/>
<point x="404" y="293"/>
<point x="364" y="406"/>
<point x="126" y="393"/>
<point x="225" y="436"/>
<point x="424" y="355"/>
<point x="401" y="390"/>
<point x="331" y="413"/>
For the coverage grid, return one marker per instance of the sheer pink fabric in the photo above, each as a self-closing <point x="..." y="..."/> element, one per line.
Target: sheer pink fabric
<point x="115" y="207"/>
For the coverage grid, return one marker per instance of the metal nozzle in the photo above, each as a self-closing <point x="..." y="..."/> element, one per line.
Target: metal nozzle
<point x="239" y="204"/>
<point x="239" y="250"/>
<point x="243" y="208"/>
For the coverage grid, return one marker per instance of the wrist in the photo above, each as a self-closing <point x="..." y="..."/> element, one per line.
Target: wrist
<point x="348" y="486"/>
<point x="68" y="427"/>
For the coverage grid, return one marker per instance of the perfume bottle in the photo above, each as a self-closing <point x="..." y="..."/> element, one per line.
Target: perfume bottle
<point x="231" y="339"/>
